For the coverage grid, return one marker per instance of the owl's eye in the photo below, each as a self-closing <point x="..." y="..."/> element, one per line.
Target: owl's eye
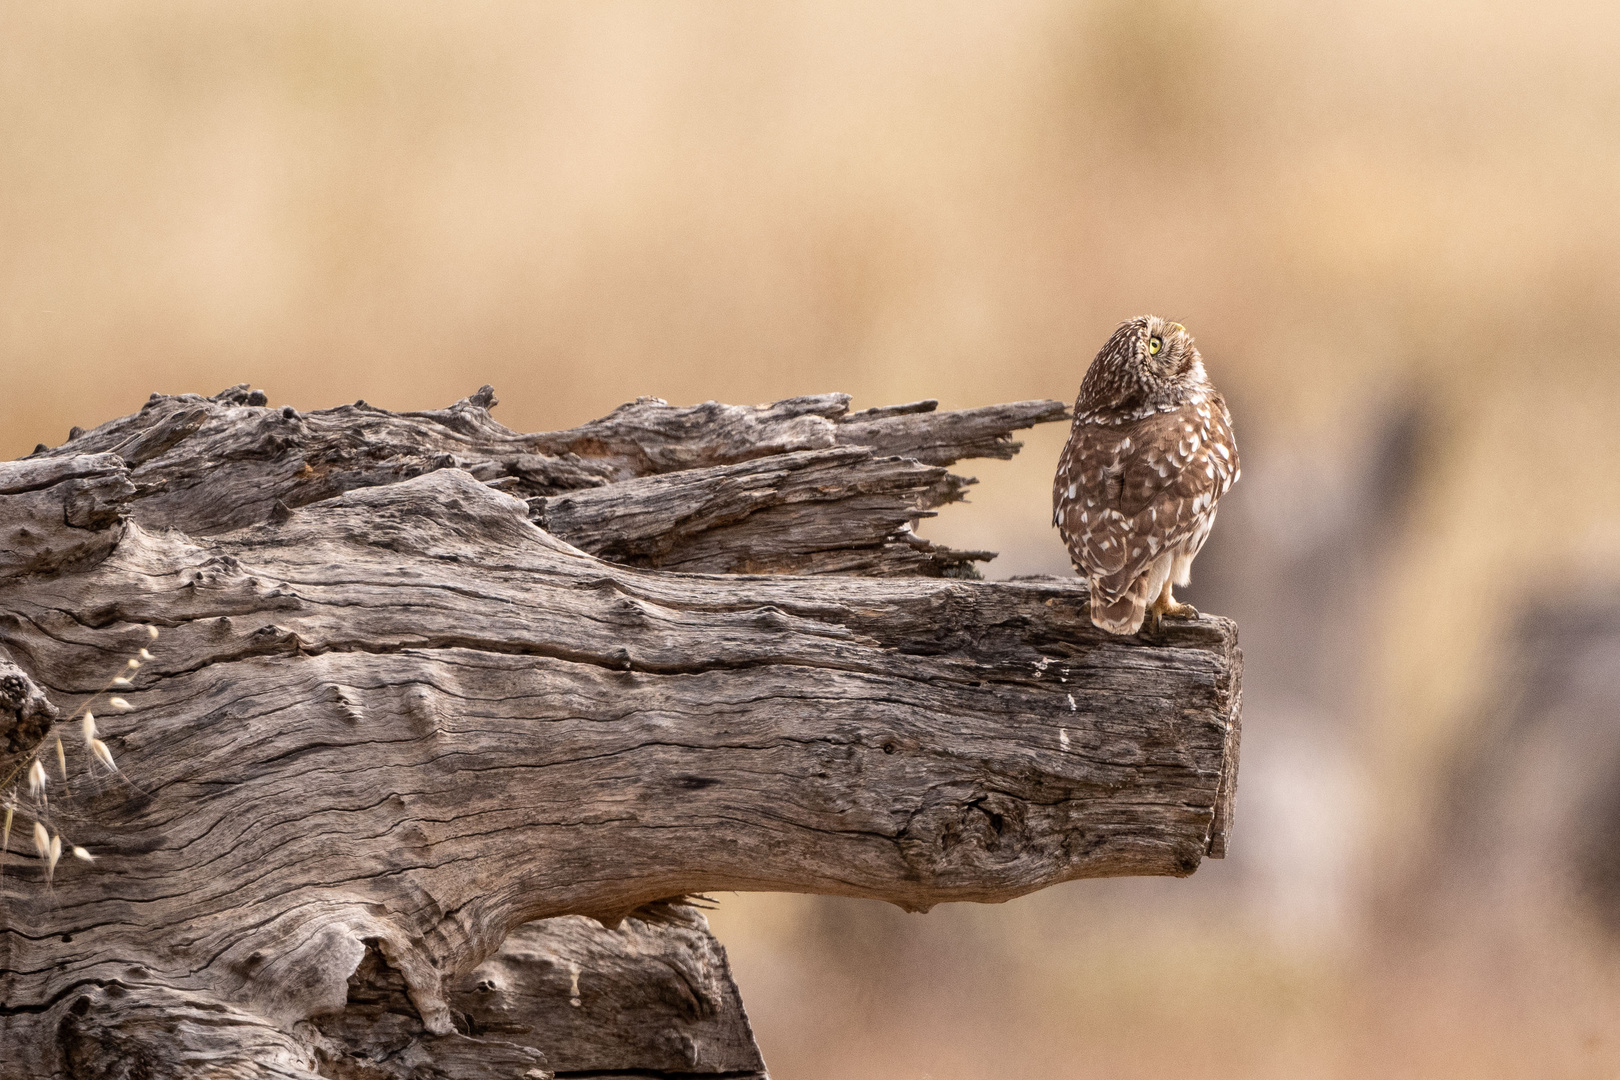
<point x="1154" y="345"/>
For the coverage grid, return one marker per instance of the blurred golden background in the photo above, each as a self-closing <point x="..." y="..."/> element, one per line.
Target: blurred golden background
<point x="1393" y="228"/>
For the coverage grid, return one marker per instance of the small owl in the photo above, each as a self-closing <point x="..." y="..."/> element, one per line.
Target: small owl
<point x="1150" y="451"/>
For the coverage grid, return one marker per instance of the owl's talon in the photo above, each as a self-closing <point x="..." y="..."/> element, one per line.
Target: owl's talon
<point x="1180" y="611"/>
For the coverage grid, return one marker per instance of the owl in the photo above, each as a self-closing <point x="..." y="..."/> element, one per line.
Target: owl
<point x="1150" y="452"/>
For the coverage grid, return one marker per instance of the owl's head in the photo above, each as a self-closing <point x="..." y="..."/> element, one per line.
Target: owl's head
<point x="1147" y="363"/>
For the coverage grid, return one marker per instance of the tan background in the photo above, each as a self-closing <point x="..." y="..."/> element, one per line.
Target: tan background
<point x="1370" y="212"/>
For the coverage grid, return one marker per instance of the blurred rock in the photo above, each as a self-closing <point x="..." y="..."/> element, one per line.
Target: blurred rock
<point x="1532" y="830"/>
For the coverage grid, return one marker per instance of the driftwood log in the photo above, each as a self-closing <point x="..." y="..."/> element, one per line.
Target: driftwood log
<point x="445" y="725"/>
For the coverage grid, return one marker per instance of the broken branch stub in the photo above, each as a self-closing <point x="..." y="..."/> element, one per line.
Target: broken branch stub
<point x="392" y="719"/>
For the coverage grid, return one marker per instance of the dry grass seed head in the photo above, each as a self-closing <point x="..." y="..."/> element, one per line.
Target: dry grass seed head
<point x="50" y="847"/>
<point x="99" y="748"/>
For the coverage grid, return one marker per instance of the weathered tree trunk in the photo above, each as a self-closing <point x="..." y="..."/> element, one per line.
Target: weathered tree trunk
<point x="389" y="721"/>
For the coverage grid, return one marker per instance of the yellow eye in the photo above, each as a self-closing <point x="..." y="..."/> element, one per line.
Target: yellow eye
<point x="1154" y="345"/>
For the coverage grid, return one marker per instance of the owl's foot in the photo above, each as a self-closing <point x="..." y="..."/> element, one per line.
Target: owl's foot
<point x="1153" y="623"/>
<point x="1167" y="604"/>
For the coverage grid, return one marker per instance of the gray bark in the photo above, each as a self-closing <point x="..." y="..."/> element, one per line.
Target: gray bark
<point x="390" y="720"/>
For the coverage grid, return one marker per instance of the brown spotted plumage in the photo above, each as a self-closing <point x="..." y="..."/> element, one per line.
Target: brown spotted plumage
<point x="1150" y="452"/>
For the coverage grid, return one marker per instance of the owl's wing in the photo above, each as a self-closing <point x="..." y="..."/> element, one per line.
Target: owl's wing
<point x="1126" y="493"/>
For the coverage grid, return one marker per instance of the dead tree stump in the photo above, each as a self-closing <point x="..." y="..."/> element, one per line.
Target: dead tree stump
<point x="428" y="690"/>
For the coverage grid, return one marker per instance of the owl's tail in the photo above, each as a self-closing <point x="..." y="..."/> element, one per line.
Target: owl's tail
<point x="1122" y="611"/>
<point x="1122" y="614"/>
